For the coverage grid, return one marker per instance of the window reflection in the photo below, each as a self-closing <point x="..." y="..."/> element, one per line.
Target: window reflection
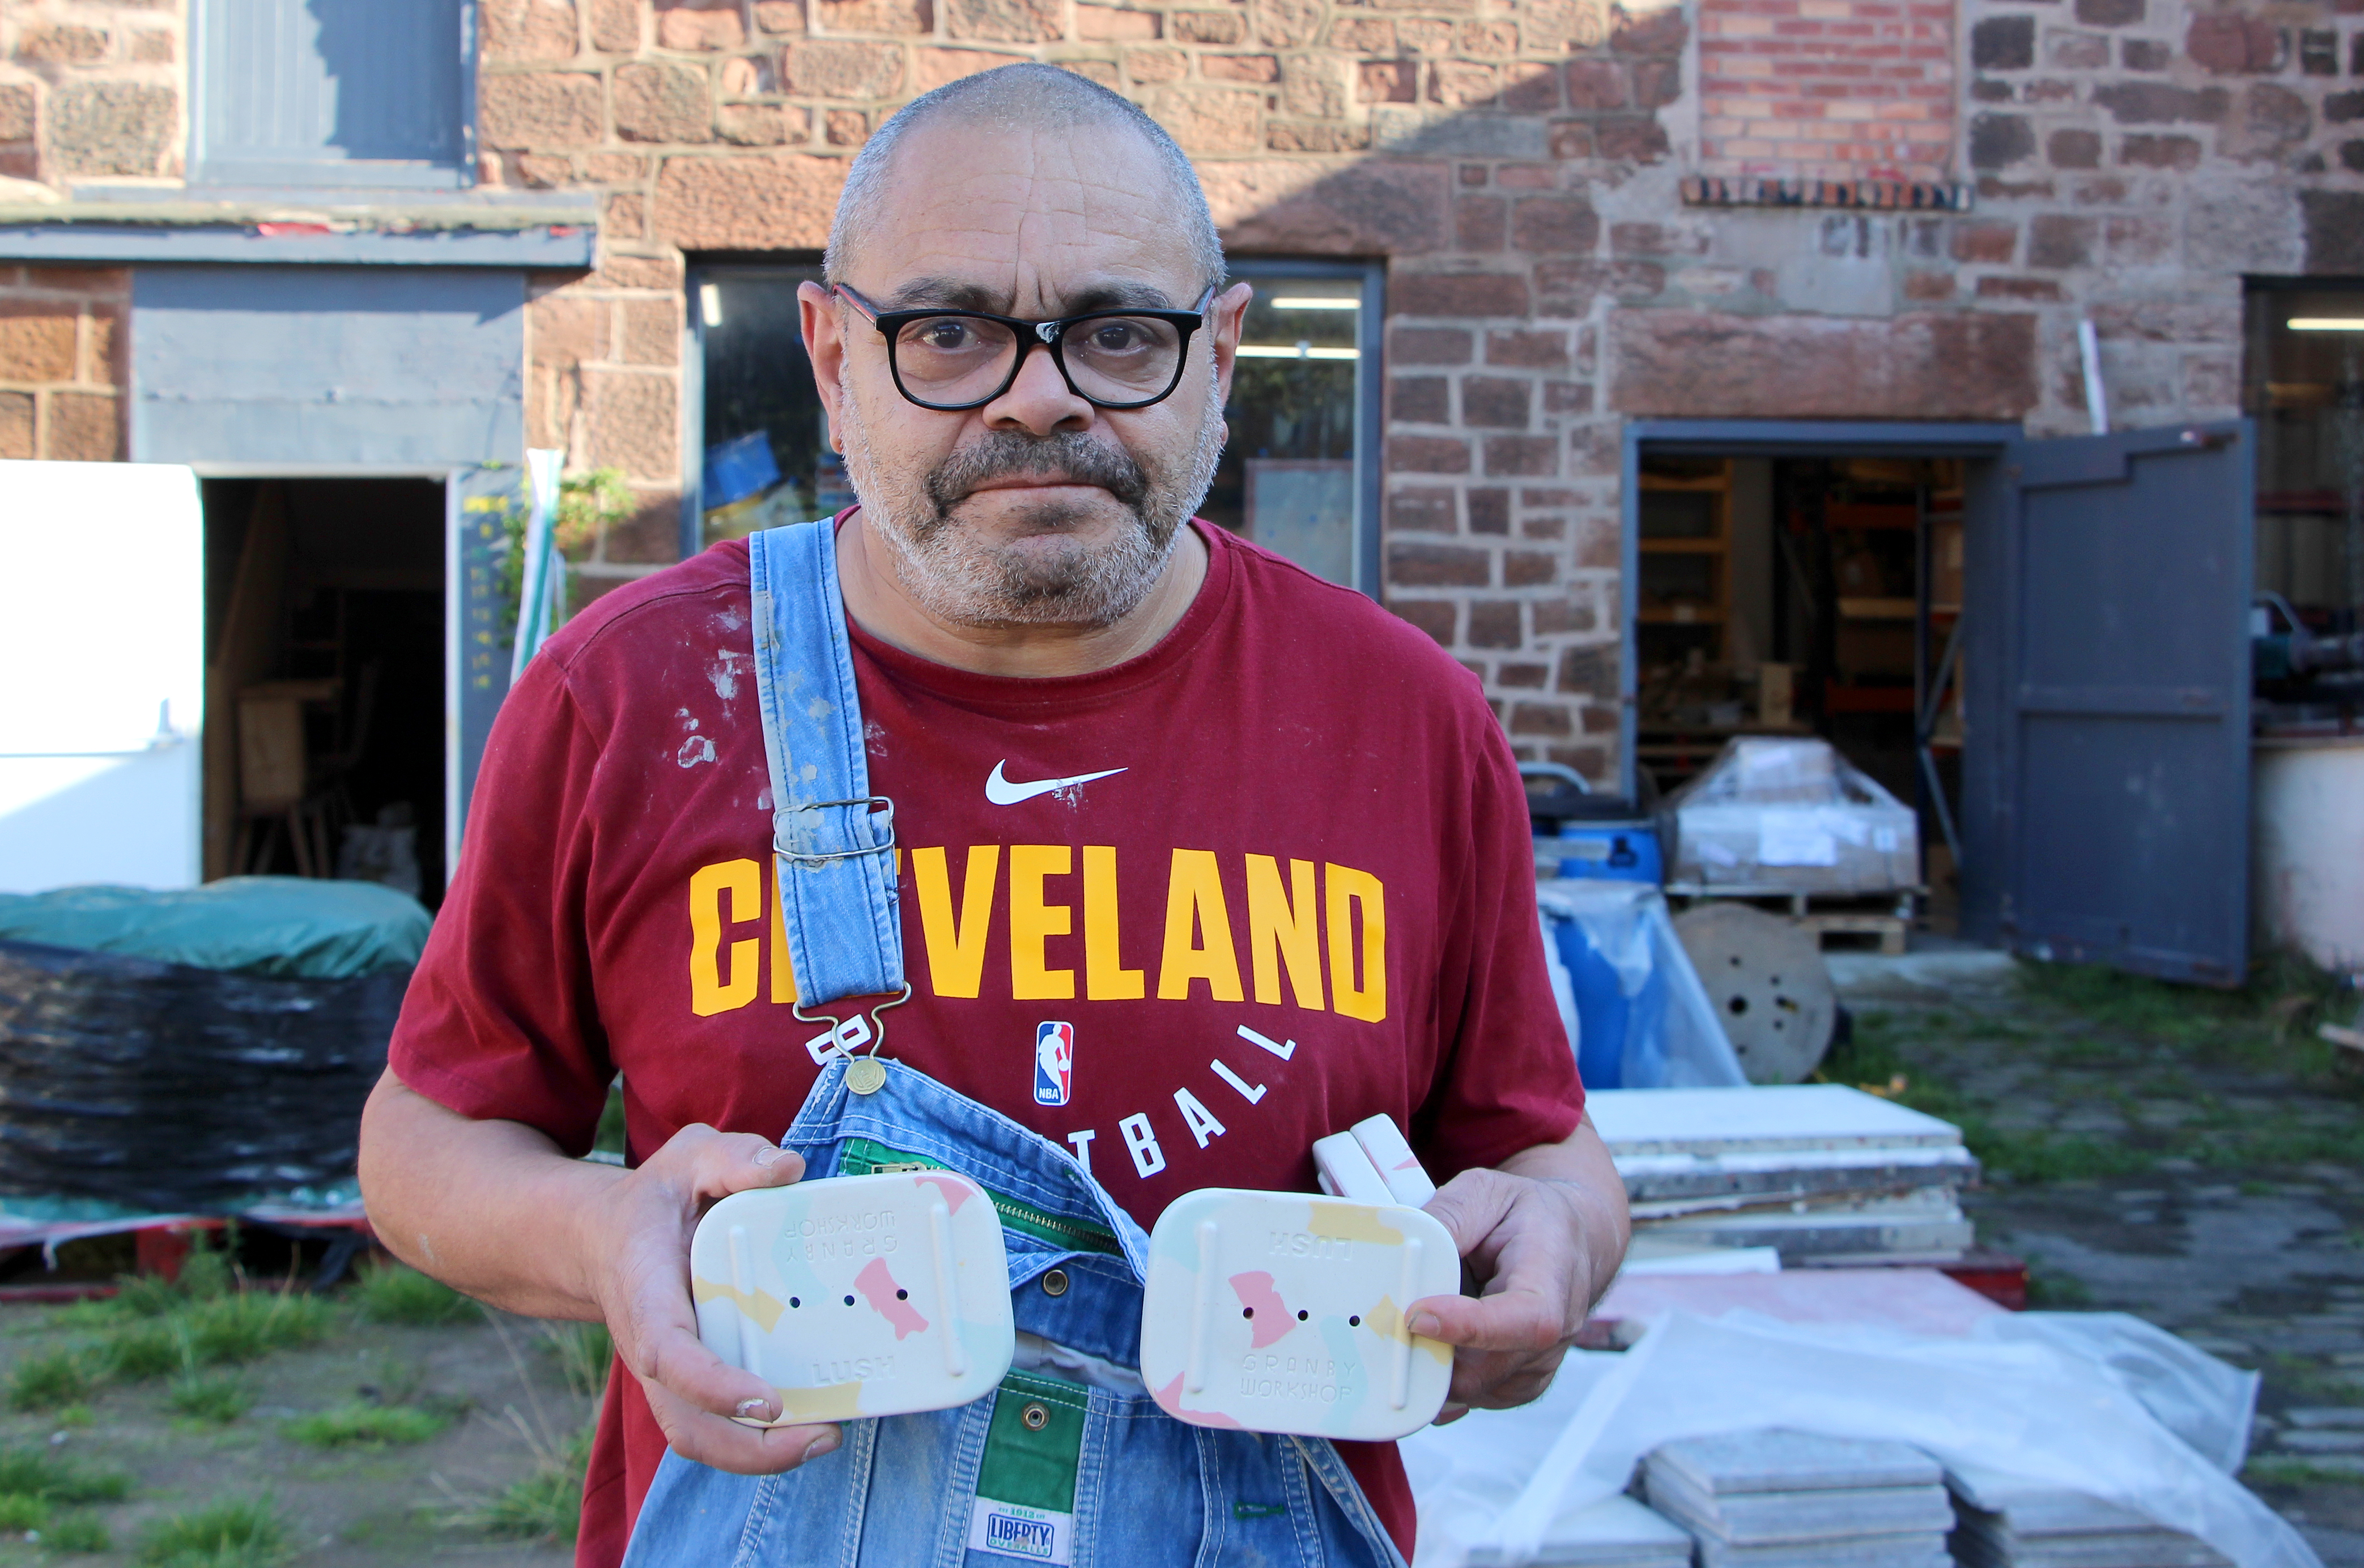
<point x="1287" y="478"/>
<point x="1288" y="475"/>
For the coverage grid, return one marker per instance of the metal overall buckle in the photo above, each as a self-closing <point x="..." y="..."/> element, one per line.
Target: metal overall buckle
<point x="864" y="1074"/>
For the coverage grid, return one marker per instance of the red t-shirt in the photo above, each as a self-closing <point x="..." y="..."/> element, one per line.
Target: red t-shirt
<point x="1307" y="822"/>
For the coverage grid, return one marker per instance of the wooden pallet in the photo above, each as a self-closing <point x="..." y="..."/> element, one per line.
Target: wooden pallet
<point x="1836" y="920"/>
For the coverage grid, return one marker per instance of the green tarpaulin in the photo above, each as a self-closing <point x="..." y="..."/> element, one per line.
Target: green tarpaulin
<point x="289" y="926"/>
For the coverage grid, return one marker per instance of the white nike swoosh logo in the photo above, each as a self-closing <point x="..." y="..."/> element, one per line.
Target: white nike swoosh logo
<point x="1001" y="791"/>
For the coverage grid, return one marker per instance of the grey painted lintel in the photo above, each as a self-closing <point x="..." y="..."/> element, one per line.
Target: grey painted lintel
<point x="555" y="247"/>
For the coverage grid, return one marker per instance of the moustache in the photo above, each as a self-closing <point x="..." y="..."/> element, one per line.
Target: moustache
<point x="1066" y="455"/>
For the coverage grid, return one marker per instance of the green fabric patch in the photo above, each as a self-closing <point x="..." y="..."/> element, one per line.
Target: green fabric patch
<point x="1258" y="1510"/>
<point x="864" y="1157"/>
<point x="1031" y="1467"/>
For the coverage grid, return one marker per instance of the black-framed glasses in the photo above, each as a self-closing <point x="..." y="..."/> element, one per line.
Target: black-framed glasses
<point x="953" y="360"/>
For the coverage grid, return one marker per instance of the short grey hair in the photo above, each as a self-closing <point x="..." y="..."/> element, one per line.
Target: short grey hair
<point x="1028" y="96"/>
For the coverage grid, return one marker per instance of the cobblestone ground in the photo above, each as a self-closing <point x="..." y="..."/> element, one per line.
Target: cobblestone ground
<point x="2197" y="1159"/>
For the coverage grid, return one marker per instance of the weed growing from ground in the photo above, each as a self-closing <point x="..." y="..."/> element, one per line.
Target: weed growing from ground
<point x="21" y="1511"/>
<point x="237" y="1532"/>
<point x="152" y="1347"/>
<point x="47" y="1380"/>
<point x="2296" y="1473"/>
<point x="546" y="1504"/>
<point x="76" y="1532"/>
<point x="247" y="1324"/>
<point x="39" y="1472"/>
<point x="355" y="1424"/>
<point x="389" y="1293"/>
<point x="220" y="1398"/>
<point x="583" y="1351"/>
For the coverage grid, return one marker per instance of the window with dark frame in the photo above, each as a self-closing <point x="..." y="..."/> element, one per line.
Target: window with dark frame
<point x="1298" y="474"/>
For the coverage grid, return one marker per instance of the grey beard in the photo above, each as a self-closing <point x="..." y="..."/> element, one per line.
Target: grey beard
<point x="957" y="577"/>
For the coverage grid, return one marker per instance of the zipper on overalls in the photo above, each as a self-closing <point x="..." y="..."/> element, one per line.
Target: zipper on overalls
<point x="863" y="1157"/>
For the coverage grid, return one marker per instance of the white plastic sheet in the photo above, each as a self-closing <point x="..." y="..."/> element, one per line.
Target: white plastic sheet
<point x="2092" y="1403"/>
<point x="1625" y="924"/>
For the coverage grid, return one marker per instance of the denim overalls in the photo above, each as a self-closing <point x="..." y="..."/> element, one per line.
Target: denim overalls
<point x="1070" y="1462"/>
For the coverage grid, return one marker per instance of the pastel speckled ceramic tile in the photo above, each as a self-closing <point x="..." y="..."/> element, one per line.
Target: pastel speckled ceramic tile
<point x="858" y="1296"/>
<point x="1282" y="1312"/>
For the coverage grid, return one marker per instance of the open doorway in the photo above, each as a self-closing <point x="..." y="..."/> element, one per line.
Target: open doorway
<point x="326" y="639"/>
<point x="1803" y="594"/>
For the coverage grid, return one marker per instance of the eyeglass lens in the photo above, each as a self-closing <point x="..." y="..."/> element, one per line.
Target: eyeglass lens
<point x="966" y="359"/>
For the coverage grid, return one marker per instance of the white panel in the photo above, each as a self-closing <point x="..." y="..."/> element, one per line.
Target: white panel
<point x="102" y="643"/>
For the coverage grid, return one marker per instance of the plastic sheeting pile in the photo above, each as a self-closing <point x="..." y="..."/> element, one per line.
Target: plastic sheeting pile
<point x="1632" y="1003"/>
<point x="2099" y="1403"/>
<point x="1775" y="815"/>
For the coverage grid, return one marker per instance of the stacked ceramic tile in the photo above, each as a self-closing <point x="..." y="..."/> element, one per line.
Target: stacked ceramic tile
<point x="1782" y="1499"/>
<point x="1825" y="1173"/>
<point x="2006" y="1522"/>
<point x="1616" y="1532"/>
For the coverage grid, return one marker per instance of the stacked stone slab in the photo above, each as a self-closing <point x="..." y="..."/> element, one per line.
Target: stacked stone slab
<point x="1616" y="1532"/>
<point x="2005" y="1522"/>
<point x="1773" y="1498"/>
<point x="1826" y="1174"/>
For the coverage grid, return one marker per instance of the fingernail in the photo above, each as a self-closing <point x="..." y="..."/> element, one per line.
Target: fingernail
<point x="1425" y="1325"/>
<point x="769" y="1154"/>
<point x="754" y="1410"/>
<point x="825" y="1443"/>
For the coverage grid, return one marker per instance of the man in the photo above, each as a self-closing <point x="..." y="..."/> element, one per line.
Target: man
<point x="1202" y="858"/>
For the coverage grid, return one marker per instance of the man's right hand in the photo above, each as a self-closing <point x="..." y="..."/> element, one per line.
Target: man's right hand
<point x="637" y="1244"/>
<point x="497" y="1209"/>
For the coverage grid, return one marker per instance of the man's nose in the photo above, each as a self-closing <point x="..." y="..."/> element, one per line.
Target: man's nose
<point x="1038" y="402"/>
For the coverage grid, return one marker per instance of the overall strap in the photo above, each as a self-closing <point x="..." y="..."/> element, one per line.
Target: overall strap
<point x="834" y="840"/>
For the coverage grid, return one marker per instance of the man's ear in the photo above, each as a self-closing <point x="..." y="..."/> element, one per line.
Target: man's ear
<point x="824" y="346"/>
<point x="1223" y="320"/>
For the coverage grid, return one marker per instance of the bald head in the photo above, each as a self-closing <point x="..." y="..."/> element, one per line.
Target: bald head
<point x="1021" y="99"/>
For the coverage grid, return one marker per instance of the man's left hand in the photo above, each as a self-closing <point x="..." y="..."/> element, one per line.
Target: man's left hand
<point x="1544" y="1235"/>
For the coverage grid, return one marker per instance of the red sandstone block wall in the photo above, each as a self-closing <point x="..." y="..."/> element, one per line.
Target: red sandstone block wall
<point x="61" y="362"/>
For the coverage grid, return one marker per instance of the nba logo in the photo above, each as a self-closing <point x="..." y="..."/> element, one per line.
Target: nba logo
<point x="1054" y="1062"/>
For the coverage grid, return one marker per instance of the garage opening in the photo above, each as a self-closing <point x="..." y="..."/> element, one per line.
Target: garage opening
<point x="325" y="686"/>
<point x="1809" y="595"/>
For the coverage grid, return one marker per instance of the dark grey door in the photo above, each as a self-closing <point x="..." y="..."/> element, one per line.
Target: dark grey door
<point x="2111" y="586"/>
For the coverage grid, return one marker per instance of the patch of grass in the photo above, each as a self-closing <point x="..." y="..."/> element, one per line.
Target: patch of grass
<point x="76" y="1532"/>
<point x="237" y="1532"/>
<point x="247" y="1324"/>
<point x="21" y="1511"/>
<point x="389" y="1293"/>
<point x="41" y="1472"/>
<point x="47" y="1380"/>
<point x="583" y="1351"/>
<point x="2052" y="1292"/>
<point x="2052" y="1157"/>
<point x="544" y="1506"/>
<point x="610" y="1136"/>
<point x="152" y="1347"/>
<point x="220" y="1398"/>
<point x="355" y="1424"/>
<point x="2296" y="1473"/>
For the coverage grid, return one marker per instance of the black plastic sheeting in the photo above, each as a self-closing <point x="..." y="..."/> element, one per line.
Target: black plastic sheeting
<point x="177" y="1089"/>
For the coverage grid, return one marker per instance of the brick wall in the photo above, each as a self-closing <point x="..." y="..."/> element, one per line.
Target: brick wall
<point x="87" y="91"/>
<point x="1460" y="139"/>
<point x="1837" y="89"/>
<point x="62" y="357"/>
<point x="1518" y="166"/>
